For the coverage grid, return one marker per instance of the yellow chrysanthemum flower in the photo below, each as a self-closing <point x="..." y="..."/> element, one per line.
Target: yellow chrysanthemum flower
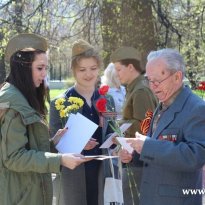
<point x="60" y="107"/>
<point x="59" y="103"/>
<point x="76" y="100"/>
<point x="68" y="109"/>
<point x="80" y="102"/>
<point x="63" y="113"/>
<point x="72" y="99"/>
<point x="74" y="107"/>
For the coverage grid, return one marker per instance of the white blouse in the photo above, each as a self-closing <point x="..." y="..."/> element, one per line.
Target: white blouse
<point x="118" y="95"/>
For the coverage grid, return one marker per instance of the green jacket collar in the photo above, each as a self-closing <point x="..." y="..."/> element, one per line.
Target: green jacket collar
<point x="11" y="97"/>
<point x="136" y="82"/>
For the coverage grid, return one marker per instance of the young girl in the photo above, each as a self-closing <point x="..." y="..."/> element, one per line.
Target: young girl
<point x="26" y="162"/>
<point x="81" y="186"/>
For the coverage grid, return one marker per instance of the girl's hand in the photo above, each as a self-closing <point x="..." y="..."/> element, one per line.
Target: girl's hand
<point x="58" y="135"/>
<point x="91" y="144"/>
<point x="71" y="161"/>
<point x="114" y="140"/>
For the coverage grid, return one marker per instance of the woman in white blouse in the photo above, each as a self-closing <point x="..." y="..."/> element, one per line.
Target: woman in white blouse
<point x="116" y="90"/>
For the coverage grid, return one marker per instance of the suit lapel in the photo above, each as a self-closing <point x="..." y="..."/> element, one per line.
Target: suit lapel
<point x="152" y="121"/>
<point x="170" y="114"/>
<point x="165" y="120"/>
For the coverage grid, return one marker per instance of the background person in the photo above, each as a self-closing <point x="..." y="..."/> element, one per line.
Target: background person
<point x="26" y="162"/>
<point x="81" y="186"/>
<point x="116" y="90"/>
<point x="173" y="152"/>
<point x="139" y="99"/>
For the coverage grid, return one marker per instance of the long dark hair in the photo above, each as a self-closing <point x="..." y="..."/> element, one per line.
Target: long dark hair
<point x="21" y="77"/>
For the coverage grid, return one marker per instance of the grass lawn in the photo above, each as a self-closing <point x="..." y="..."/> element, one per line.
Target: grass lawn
<point x="55" y="92"/>
<point x="200" y="93"/>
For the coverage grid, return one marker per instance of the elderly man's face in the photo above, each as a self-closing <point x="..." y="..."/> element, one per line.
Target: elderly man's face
<point x="162" y="82"/>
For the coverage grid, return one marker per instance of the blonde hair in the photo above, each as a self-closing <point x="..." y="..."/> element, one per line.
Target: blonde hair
<point x="87" y="54"/>
<point x="110" y="77"/>
<point x="82" y="49"/>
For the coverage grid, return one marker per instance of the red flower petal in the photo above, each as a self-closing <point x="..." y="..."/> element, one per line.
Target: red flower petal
<point x="101" y="105"/>
<point x="103" y="90"/>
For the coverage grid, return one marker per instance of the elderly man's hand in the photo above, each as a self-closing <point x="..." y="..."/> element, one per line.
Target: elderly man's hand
<point x="137" y="143"/>
<point x="125" y="156"/>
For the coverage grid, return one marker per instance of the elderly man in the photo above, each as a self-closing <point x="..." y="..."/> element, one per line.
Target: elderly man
<point x="174" y="150"/>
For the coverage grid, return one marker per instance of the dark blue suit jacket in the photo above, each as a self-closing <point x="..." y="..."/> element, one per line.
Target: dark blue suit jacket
<point x="174" y="154"/>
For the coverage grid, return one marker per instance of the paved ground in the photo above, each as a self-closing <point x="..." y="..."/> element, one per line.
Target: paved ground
<point x="54" y="199"/>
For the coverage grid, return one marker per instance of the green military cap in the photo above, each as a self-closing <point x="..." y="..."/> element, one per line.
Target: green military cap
<point x="27" y="42"/>
<point x="80" y="46"/>
<point x="125" y="52"/>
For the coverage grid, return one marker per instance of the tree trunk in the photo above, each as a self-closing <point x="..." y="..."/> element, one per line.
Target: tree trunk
<point x="18" y="15"/>
<point x="129" y="23"/>
<point x="2" y="64"/>
<point x="2" y="71"/>
<point x="110" y="28"/>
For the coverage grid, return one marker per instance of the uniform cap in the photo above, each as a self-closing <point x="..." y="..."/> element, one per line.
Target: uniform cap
<point x="27" y="42"/>
<point x="123" y="53"/>
<point x="80" y="46"/>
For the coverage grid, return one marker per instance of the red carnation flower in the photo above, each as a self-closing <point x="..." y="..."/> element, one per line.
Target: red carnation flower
<point x="101" y="104"/>
<point x="201" y="86"/>
<point x="103" y="90"/>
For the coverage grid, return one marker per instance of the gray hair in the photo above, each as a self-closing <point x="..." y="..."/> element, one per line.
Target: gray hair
<point x="110" y="77"/>
<point x="172" y="57"/>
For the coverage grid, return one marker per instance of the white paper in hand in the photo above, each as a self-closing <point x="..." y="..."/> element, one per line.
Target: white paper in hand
<point x="80" y="130"/>
<point x="125" y="144"/>
<point x="125" y="126"/>
<point x="109" y="141"/>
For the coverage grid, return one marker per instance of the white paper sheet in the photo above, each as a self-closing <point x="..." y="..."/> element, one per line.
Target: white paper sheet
<point x="99" y="157"/>
<point x="80" y="130"/>
<point x="125" y="145"/>
<point x="125" y="126"/>
<point x="109" y="142"/>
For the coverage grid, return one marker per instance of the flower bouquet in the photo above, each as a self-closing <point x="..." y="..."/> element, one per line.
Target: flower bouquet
<point x="73" y="105"/>
<point x="106" y="109"/>
<point x="113" y="186"/>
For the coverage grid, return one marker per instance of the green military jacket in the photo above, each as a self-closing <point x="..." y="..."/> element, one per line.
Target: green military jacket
<point x="25" y="161"/>
<point x="139" y="99"/>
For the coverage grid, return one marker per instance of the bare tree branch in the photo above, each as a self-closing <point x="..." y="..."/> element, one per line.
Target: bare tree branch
<point x="6" y="4"/>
